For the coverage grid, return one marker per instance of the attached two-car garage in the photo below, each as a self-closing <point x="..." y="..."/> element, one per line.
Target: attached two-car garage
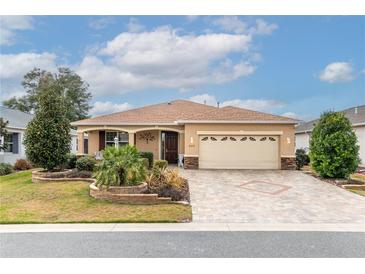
<point x="239" y="151"/>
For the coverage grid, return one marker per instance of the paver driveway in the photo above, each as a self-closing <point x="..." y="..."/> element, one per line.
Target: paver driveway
<point x="266" y="196"/>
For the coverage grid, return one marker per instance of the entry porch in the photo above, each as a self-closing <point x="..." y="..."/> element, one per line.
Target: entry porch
<point x="164" y="143"/>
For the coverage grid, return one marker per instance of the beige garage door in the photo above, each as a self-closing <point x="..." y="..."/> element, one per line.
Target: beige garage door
<point x="239" y="152"/>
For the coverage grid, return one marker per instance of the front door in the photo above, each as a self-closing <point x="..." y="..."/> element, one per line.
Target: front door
<point x="171" y="147"/>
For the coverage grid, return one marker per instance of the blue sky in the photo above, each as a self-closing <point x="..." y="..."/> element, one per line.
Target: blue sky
<point x="298" y="66"/>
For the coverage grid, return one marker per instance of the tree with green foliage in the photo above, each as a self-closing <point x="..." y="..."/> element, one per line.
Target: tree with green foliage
<point x="301" y="158"/>
<point x="120" y="166"/>
<point x="71" y="87"/>
<point x="47" y="137"/>
<point x="334" y="151"/>
<point x="3" y="132"/>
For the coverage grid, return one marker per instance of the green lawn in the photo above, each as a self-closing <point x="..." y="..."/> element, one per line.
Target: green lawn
<point x="21" y="201"/>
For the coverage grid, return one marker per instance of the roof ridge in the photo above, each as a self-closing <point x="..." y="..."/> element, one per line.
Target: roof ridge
<point x="261" y="112"/>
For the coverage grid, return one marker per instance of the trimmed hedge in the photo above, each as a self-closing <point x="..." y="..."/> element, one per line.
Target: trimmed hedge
<point x="301" y="158"/>
<point x="160" y="164"/>
<point x="71" y="161"/>
<point x="85" y="163"/>
<point x="5" y="169"/>
<point x="149" y="156"/>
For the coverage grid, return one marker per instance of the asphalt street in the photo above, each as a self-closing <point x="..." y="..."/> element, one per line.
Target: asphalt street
<point x="185" y="244"/>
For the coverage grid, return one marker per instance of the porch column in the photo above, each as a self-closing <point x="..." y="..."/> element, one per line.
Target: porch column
<point x="131" y="139"/>
<point x="80" y="142"/>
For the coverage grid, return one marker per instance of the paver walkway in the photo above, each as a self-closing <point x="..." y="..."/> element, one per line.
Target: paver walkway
<point x="266" y="196"/>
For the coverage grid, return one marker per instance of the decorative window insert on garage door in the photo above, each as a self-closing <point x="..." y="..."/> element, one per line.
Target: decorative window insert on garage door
<point x="239" y="151"/>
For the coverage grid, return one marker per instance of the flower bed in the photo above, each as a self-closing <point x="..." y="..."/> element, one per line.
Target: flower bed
<point x="42" y="176"/>
<point x="127" y="194"/>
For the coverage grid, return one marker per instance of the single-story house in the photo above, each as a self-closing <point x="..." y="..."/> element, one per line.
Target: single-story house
<point x="205" y="136"/>
<point x="17" y="123"/>
<point x="356" y="115"/>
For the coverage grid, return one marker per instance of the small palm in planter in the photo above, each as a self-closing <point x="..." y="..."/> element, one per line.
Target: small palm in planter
<point x="120" y="167"/>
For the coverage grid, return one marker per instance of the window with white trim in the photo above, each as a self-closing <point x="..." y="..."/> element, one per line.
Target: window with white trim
<point x="8" y="142"/>
<point x="123" y="138"/>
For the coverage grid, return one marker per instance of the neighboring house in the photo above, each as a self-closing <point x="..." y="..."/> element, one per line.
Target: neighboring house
<point x="207" y="136"/>
<point x="356" y="115"/>
<point x="17" y="122"/>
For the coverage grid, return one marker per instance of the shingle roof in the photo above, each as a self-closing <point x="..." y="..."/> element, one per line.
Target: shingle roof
<point x="180" y="111"/>
<point x="356" y="115"/>
<point x="16" y="118"/>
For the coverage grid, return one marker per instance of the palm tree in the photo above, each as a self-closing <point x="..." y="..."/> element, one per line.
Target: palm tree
<point x="120" y="166"/>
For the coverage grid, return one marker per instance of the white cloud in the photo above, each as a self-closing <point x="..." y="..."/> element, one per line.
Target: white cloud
<point x="204" y="99"/>
<point x="11" y="24"/>
<point x="263" y="28"/>
<point x="134" y="25"/>
<point x="236" y="25"/>
<point x="337" y="72"/>
<point x="252" y="104"/>
<point x="101" y="22"/>
<point x="163" y="58"/>
<point x="100" y="108"/>
<point x="231" y="23"/>
<point x="14" y="66"/>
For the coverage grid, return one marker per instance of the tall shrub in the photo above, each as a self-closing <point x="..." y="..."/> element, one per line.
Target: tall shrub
<point x="333" y="146"/>
<point x="47" y="137"/>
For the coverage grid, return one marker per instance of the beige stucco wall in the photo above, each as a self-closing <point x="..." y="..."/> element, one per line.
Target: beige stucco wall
<point x="154" y="147"/>
<point x="151" y="146"/>
<point x="286" y="149"/>
<point x="93" y="142"/>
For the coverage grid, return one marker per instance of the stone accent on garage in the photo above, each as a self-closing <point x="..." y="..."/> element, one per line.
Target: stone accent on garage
<point x="288" y="163"/>
<point x="191" y="162"/>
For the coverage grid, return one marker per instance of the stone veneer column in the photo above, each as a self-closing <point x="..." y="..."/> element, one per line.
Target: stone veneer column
<point x="191" y="162"/>
<point x="288" y="163"/>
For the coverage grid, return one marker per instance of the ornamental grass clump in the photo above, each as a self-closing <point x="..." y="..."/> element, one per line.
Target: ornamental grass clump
<point x="334" y="152"/>
<point x="120" y="166"/>
<point x="168" y="183"/>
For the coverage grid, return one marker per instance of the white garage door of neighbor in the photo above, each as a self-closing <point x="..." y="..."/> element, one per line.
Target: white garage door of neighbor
<point x="239" y="152"/>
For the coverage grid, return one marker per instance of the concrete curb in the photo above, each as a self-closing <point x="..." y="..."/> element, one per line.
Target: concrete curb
<point x="136" y="227"/>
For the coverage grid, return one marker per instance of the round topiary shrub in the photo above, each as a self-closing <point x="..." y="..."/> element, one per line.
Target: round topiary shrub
<point x="5" y="169"/>
<point x="85" y="163"/>
<point x="22" y="164"/>
<point x="333" y="146"/>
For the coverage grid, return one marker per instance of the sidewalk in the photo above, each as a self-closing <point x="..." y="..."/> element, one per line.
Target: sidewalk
<point x="140" y="227"/>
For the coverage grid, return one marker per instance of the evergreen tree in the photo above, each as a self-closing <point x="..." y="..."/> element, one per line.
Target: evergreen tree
<point x="47" y="137"/>
<point x="334" y="151"/>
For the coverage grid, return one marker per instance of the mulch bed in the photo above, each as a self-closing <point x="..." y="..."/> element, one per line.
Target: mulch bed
<point x="336" y="182"/>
